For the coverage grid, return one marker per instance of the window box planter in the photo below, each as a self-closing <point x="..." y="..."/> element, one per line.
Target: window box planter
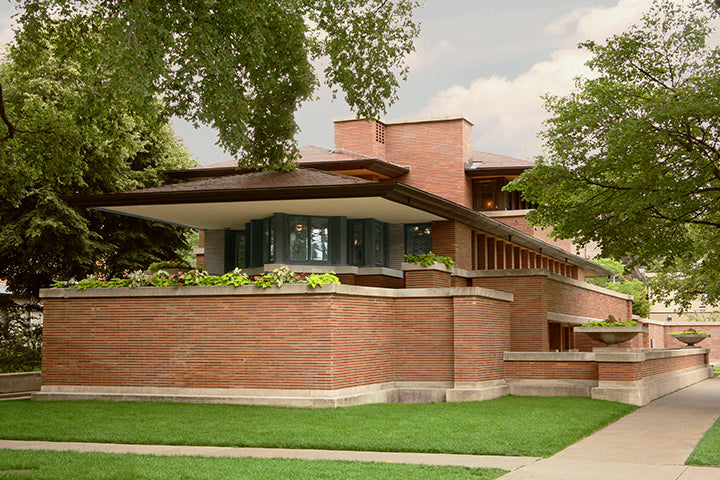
<point x="611" y="336"/>
<point x="690" y="339"/>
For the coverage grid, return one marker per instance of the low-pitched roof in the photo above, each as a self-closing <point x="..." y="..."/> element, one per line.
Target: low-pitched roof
<point x="230" y="202"/>
<point x="310" y="157"/>
<point x="484" y="163"/>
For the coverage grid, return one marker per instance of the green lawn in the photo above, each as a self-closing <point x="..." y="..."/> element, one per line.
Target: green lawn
<point x="707" y="452"/>
<point x="48" y="465"/>
<point x="529" y="426"/>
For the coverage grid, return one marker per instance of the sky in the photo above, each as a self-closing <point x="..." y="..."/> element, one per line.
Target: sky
<point x="487" y="60"/>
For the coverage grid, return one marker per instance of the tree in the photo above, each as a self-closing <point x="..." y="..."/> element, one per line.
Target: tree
<point x="243" y="67"/>
<point x="632" y="157"/>
<point x="51" y="147"/>
<point x="627" y="285"/>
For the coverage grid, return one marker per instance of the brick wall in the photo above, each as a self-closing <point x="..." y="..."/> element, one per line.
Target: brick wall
<point x="453" y="239"/>
<point x="536" y="294"/>
<point x="479" y="347"/>
<point x="712" y="342"/>
<point x="616" y="371"/>
<point x="270" y="341"/>
<point x="551" y="370"/>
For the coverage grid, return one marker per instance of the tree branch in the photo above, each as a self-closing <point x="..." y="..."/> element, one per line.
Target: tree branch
<point x="6" y="121"/>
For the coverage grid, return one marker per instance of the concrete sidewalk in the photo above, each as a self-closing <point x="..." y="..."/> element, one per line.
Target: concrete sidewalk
<point x="651" y="443"/>
<point x="472" y="461"/>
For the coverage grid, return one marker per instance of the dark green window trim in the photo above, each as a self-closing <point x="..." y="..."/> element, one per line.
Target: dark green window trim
<point x="418" y="238"/>
<point x="368" y="243"/>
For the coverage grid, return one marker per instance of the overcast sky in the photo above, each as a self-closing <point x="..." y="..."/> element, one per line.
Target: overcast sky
<point x="488" y="60"/>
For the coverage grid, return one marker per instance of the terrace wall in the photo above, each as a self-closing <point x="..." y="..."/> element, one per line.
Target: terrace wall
<point x="247" y="342"/>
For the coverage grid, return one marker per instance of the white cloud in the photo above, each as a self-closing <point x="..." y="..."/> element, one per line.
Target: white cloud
<point x="508" y="112"/>
<point x="428" y="53"/>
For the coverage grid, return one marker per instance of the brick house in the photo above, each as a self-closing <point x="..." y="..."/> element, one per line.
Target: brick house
<point x="500" y="322"/>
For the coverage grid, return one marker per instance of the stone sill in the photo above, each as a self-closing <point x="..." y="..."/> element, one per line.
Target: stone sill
<point x="603" y="356"/>
<point x="294" y="289"/>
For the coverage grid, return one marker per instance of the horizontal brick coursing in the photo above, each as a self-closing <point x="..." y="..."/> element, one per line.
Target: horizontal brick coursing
<point x="551" y="370"/>
<point x="270" y="342"/>
<point x="427" y="279"/>
<point x="611" y="371"/>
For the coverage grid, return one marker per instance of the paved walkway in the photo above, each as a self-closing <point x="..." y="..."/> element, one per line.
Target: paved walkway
<point x="651" y="443"/>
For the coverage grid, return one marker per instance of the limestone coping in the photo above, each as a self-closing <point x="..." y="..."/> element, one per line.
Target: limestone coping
<point x="538" y="272"/>
<point x="406" y="267"/>
<point x="338" y="269"/>
<point x="294" y="289"/>
<point x="604" y="356"/>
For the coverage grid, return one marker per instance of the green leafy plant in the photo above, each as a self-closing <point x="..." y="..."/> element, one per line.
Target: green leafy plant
<point x="235" y="278"/>
<point x="610" y="322"/>
<point x="428" y="259"/>
<point x="689" y="331"/>
<point x="168" y="264"/>
<point x="20" y="337"/>
<point x="137" y="279"/>
<point x="282" y="275"/>
<point x="264" y="281"/>
<point x="91" y="281"/>
<point x="320" y="279"/>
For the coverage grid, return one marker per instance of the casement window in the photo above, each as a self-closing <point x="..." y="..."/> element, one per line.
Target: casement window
<point x="308" y="240"/>
<point x="367" y="243"/>
<point x="418" y="238"/>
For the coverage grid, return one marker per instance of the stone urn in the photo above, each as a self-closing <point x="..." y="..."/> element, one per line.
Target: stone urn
<point x="690" y="338"/>
<point x="611" y="336"/>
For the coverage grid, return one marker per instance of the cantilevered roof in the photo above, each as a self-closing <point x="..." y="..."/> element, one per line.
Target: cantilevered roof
<point x="489" y="164"/>
<point x="310" y="157"/>
<point x="230" y="202"/>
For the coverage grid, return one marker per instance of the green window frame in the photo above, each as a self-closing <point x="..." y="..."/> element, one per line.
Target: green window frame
<point x="418" y="238"/>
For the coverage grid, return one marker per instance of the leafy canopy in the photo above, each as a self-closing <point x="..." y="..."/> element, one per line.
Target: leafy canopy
<point x="57" y="140"/>
<point x="632" y="157"/>
<point x="242" y="67"/>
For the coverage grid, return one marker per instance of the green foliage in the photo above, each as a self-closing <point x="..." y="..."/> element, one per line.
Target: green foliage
<point x="634" y="287"/>
<point x="690" y="331"/>
<point x="428" y="259"/>
<point x="20" y="338"/>
<point x="319" y="279"/>
<point x="243" y="68"/>
<point x="631" y="156"/>
<point x="168" y="264"/>
<point x="264" y="281"/>
<point x="59" y="137"/>
<point x="282" y="275"/>
<point x="527" y="426"/>
<point x="605" y="323"/>
<point x="617" y="268"/>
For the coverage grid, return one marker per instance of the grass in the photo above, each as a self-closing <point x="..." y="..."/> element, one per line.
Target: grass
<point x="707" y="452"/>
<point x="49" y="465"/>
<point x="527" y="426"/>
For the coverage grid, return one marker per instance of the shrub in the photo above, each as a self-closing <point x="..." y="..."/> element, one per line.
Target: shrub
<point x="280" y="276"/>
<point x="428" y="259"/>
<point x="20" y="339"/>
